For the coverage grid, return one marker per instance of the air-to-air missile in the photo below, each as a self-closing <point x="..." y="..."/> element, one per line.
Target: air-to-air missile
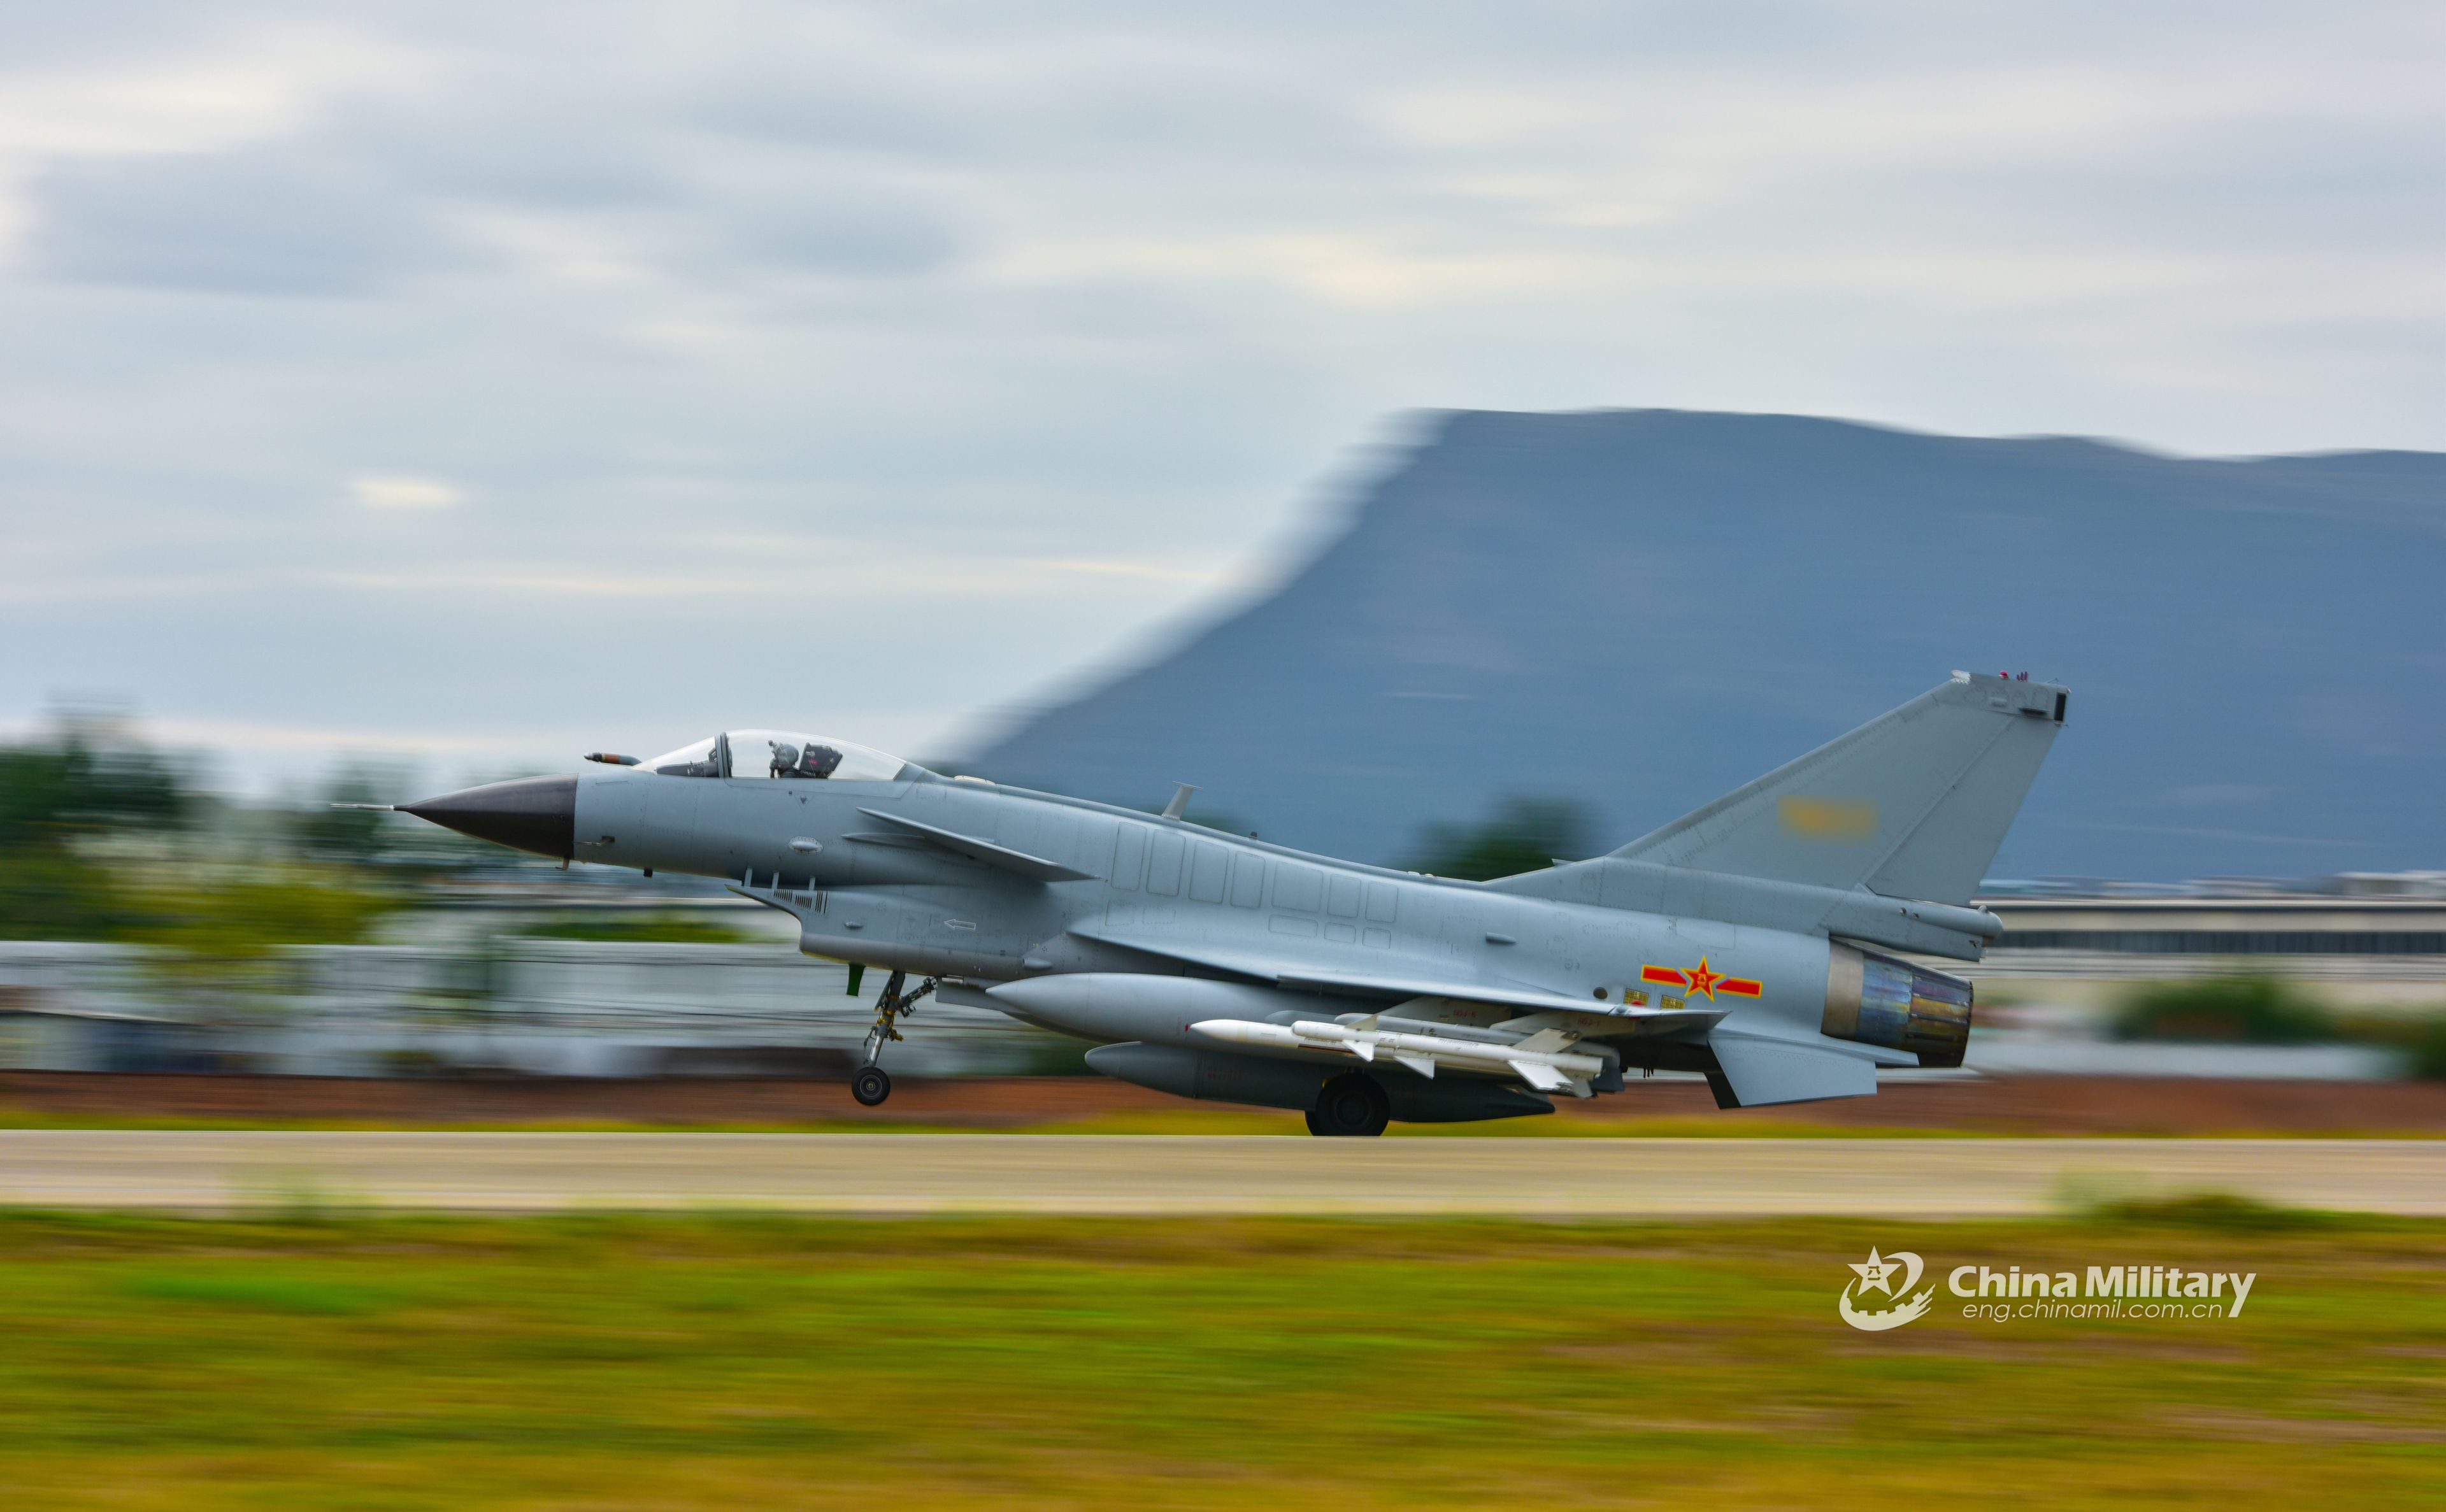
<point x="1539" y="1059"/>
<point x="1755" y="941"/>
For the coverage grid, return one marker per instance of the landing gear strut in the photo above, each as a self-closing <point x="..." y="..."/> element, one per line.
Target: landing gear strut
<point x="871" y="1086"/>
<point x="1350" y="1104"/>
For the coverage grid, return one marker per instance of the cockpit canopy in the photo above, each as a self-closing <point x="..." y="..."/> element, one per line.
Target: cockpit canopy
<point x="780" y="755"/>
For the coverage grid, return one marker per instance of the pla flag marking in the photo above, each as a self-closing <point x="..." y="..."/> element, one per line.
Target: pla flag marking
<point x="1702" y="980"/>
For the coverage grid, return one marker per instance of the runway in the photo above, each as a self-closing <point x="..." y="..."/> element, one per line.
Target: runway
<point x="1178" y="1174"/>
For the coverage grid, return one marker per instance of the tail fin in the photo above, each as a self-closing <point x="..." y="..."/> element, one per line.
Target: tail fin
<point x="1911" y="805"/>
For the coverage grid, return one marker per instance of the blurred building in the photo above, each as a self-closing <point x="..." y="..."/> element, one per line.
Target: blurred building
<point x="517" y="1006"/>
<point x="2298" y="935"/>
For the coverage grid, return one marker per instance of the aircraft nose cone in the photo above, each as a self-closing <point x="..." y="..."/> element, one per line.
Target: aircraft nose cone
<point x="532" y="813"/>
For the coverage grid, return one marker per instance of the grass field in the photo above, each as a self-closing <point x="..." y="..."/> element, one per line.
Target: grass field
<point x="744" y="1361"/>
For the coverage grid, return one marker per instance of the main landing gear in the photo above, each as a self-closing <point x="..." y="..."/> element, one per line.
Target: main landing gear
<point x="871" y="1086"/>
<point x="1350" y="1104"/>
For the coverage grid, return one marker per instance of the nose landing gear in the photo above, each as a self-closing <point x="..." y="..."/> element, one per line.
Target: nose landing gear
<point x="871" y="1085"/>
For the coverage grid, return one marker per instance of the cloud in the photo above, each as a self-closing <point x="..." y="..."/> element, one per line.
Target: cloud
<point x="393" y="492"/>
<point x="844" y="228"/>
<point x="547" y="153"/>
<point x="258" y="220"/>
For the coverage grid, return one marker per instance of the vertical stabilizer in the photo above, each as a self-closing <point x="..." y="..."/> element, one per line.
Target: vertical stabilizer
<point x="1912" y="804"/>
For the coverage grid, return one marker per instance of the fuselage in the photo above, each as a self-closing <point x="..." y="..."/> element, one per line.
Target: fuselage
<point x="1162" y="896"/>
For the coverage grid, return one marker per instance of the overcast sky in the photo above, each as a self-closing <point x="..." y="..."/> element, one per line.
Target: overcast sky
<point x="496" y="382"/>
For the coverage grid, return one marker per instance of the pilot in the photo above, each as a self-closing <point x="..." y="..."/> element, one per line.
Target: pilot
<point x="813" y="762"/>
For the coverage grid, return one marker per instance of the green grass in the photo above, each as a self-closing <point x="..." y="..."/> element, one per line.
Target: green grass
<point x="635" y="928"/>
<point x="755" y="1361"/>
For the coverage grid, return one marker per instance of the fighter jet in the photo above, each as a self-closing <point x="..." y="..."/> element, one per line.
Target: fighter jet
<point x="1761" y="941"/>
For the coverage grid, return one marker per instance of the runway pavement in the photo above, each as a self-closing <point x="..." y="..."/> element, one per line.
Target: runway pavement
<point x="920" y="1173"/>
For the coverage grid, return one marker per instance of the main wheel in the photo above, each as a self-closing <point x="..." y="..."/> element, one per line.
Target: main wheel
<point x="869" y="1086"/>
<point x="1352" y="1104"/>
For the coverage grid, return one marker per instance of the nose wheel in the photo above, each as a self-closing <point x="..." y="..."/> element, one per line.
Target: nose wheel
<point x="871" y="1085"/>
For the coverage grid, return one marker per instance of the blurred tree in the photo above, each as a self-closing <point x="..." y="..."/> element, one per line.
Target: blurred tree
<point x="34" y="795"/>
<point x="66" y="804"/>
<point x="1523" y="834"/>
<point x="91" y="776"/>
<point x="242" y="916"/>
<point x="2253" y="1010"/>
<point x="50" y="893"/>
<point x="2428" y="1052"/>
<point x="666" y="928"/>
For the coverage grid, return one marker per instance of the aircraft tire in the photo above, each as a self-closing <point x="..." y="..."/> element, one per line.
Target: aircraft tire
<point x="1351" y="1106"/>
<point x="869" y="1086"/>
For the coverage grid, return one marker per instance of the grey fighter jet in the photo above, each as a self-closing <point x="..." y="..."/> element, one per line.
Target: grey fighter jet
<point x="1757" y="942"/>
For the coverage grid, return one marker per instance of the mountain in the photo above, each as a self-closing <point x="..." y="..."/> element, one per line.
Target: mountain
<point x="1642" y="610"/>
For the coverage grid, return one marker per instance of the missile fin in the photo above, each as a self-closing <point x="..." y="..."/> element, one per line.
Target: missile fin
<point x="1424" y="1065"/>
<point x="1543" y="1077"/>
<point x="1361" y="1049"/>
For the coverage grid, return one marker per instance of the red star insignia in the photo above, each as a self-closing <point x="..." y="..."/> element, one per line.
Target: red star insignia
<point x="1701" y="979"/>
